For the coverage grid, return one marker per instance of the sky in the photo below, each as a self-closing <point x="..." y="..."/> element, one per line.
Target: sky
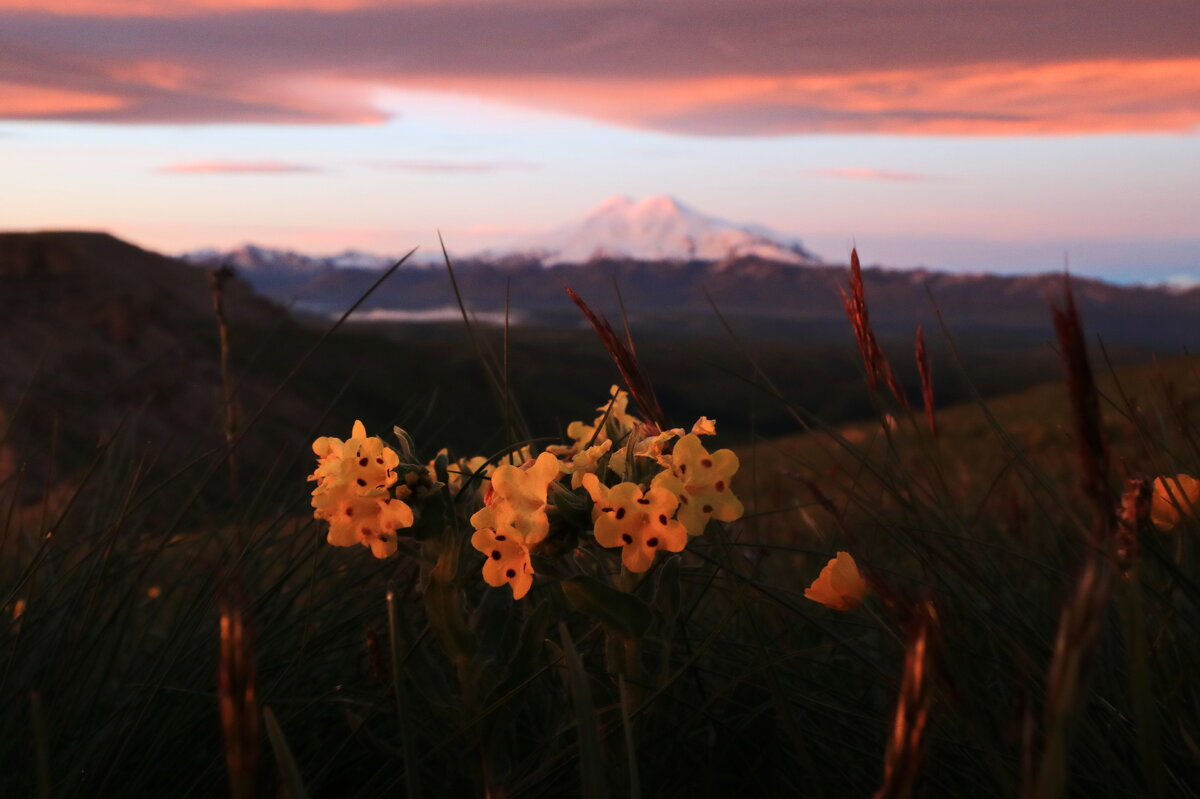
<point x="999" y="135"/>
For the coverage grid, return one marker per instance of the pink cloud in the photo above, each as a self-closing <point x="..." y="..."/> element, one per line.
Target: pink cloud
<point x="237" y="167"/>
<point x="707" y="67"/>
<point x="456" y="167"/>
<point x="867" y="173"/>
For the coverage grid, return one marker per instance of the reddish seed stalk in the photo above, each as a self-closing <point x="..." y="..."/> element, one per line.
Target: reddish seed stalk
<point x="902" y="759"/>
<point x="627" y="363"/>
<point x="1132" y="519"/>
<point x="1085" y="407"/>
<point x="876" y="365"/>
<point x="926" y="373"/>
<point x="1082" y="617"/>
<point x="238" y="701"/>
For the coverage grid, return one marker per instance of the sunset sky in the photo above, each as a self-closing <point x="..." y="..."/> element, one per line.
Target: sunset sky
<point x="946" y="133"/>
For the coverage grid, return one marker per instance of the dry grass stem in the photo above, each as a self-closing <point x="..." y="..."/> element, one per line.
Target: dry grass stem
<point x="238" y="703"/>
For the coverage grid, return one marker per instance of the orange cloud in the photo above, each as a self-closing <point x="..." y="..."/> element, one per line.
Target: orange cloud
<point x="17" y="100"/>
<point x="992" y="99"/>
<point x="705" y="67"/>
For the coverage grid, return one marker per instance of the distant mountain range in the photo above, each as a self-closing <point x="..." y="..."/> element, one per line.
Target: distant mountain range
<point x="671" y="263"/>
<point x="659" y="228"/>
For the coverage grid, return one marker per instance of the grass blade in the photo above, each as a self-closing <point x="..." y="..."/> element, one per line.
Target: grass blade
<point x="289" y="772"/>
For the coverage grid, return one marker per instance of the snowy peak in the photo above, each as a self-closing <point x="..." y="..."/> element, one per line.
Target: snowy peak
<point x="660" y="228"/>
<point x="250" y="258"/>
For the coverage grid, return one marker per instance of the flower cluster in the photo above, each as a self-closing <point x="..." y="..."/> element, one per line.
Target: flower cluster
<point x="649" y="490"/>
<point x="353" y="480"/>
<point x="513" y="520"/>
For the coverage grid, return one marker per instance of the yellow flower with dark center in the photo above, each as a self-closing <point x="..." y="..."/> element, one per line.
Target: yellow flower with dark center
<point x="702" y="482"/>
<point x="368" y="520"/>
<point x="507" y="561"/>
<point x="360" y="463"/>
<point x="516" y="500"/>
<point x="353" y="478"/>
<point x="1174" y="498"/>
<point x="639" y="523"/>
<point x="839" y="586"/>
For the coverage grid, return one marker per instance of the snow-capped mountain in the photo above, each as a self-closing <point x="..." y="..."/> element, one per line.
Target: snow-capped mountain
<point x="252" y="258"/>
<point x="659" y="228"/>
<point x="656" y="228"/>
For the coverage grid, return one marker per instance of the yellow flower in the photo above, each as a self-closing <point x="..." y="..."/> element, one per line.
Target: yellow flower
<point x="513" y="520"/>
<point x="516" y="500"/>
<point x="617" y="426"/>
<point x="639" y="523"/>
<point x="507" y="561"/>
<point x="368" y="520"/>
<point x="839" y="586"/>
<point x="701" y="480"/>
<point x="360" y="463"/>
<point x="1173" y="499"/>
<point x="353" y="478"/>
<point x="585" y="462"/>
<point x="653" y="446"/>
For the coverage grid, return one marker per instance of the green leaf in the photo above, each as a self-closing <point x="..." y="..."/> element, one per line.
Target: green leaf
<point x="443" y="602"/>
<point x="591" y="763"/>
<point x="622" y="613"/>
<point x="289" y="772"/>
<point x="444" y="610"/>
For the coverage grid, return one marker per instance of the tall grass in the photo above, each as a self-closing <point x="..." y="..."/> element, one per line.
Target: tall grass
<point x="153" y="646"/>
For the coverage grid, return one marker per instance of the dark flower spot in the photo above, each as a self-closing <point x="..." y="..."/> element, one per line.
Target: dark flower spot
<point x="662" y="518"/>
<point x="707" y="509"/>
<point x="362" y="482"/>
<point x="706" y="463"/>
<point x="495" y="554"/>
<point x="349" y="511"/>
<point x="720" y="486"/>
<point x="620" y="513"/>
<point x="379" y="460"/>
<point x="501" y="538"/>
<point x="383" y="538"/>
<point x="652" y="542"/>
<point x="627" y="538"/>
<point x="606" y="510"/>
<point x="643" y="501"/>
<point x="363" y="461"/>
<point x="511" y="573"/>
